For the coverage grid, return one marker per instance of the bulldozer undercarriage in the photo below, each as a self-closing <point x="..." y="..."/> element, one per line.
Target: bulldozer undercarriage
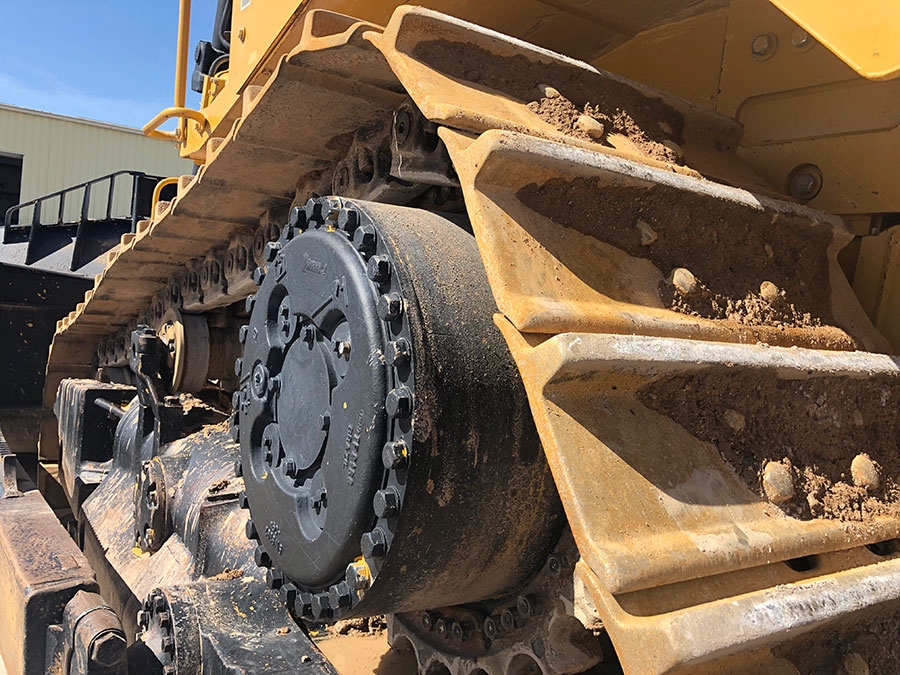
<point x="499" y="359"/>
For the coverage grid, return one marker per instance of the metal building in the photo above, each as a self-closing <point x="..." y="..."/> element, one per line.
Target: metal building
<point x="43" y="152"/>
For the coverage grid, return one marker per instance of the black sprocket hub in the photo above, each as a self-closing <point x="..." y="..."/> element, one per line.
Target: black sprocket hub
<point x="388" y="454"/>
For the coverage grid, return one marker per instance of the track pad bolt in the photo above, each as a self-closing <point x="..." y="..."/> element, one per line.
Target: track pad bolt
<point x="395" y="455"/>
<point x="399" y="402"/>
<point x="309" y="334"/>
<point x="274" y="578"/>
<point x="777" y="482"/>
<point x="390" y="306"/>
<point x="358" y="576"/>
<point x="348" y="220"/>
<point x="339" y="595"/>
<point x="321" y="606"/>
<point x="290" y="468"/>
<point x="373" y="544"/>
<point x="251" y="531"/>
<point x="325" y="421"/>
<point x="378" y="269"/>
<point x="259" y="275"/>
<point x="262" y="557"/>
<point x="386" y="502"/>
<point x="490" y="628"/>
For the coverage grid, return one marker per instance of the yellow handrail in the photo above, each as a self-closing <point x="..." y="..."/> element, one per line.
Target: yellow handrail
<point x="179" y="110"/>
<point x="157" y="191"/>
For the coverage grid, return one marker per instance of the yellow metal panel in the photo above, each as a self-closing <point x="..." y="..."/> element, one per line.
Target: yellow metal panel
<point x="864" y="34"/>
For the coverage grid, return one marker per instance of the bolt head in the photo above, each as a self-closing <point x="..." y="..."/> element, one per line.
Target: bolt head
<point x="490" y="628"/>
<point x="763" y="45"/>
<point x="251" y="531"/>
<point x="250" y="303"/>
<point x="507" y="620"/>
<point x="364" y="239"/>
<point x="386" y="502"/>
<point x="259" y="275"/>
<point x="303" y="604"/>
<point x="260" y="380"/>
<point x="390" y="306"/>
<point x="805" y="182"/>
<point x="107" y="649"/>
<point x="321" y="606"/>
<point x="357" y="576"/>
<point x="339" y="595"/>
<point x="399" y="402"/>
<point x="289" y="467"/>
<point x="242" y="334"/>
<point x="442" y="629"/>
<point x="325" y="421"/>
<point x="274" y="578"/>
<point x="243" y="501"/>
<point x="397" y="352"/>
<point x="348" y="220"/>
<point x="262" y="557"/>
<point x="378" y="269"/>
<point x="297" y="219"/>
<point x="395" y="455"/>
<point x="238" y="366"/>
<point x="374" y="544"/>
<point x="457" y="632"/>
<point x="271" y="250"/>
<point x="288" y="593"/>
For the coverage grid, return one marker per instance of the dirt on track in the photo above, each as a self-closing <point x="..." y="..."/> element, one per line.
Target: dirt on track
<point x="360" y="647"/>
<point x="813" y="427"/>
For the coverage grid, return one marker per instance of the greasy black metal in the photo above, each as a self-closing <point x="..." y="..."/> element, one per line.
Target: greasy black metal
<point x="41" y="569"/>
<point x="31" y="302"/>
<point x="380" y="417"/>
<point x="87" y="237"/>
<point x="418" y="155"/>
<point x="152" y="525"/>
<point x="90" y="640"/>
<point x="160" y="415"/>
<point x="86" y="434"/>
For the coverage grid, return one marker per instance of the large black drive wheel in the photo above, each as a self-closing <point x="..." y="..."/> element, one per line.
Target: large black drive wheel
<point x="390" y="459"/>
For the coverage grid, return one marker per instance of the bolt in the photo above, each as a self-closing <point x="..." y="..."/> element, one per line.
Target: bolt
<point x="397" y="352"/>
<point x="364" y="238"/>
<point x="143" y="618"/>
<point x="169" y="670"/>
<point x="358" y="576"/>
<point x="528" y="605"/>
<point x="390" y="306"/>
<point x="321" y="606"/>
<point x="378" y="269"/>
<point x="348" y="220"/>
<point x="238" y="366"/>
<point x="398" y="402"/>
<point x="287" y="320"/>
<point x="799" y="37"/>
<point x="490" y="628"/>
<point x="271" y="250"/>
<point x="242" y="334"/>
<point x="259" y="275"/>
<point x="308" y="335"/>
<point x="251" y="531"/>
<point x="288" y="594"/>
<point x="428" y="620"/>
<point x="373" y="544"/>
<point x="339" y="595"/>
<point x="274" y="578"/>
<point x="805" y="182"/>
<point x="777" y="482"/>
<point x="341" y="347"/>
<point x="303" y="604"/>
<point x="402" y="125"/>
<point x="297" y="218"/>
<point x="262" y="557"/>
<point x="168" y="644"/>
<point x="386" y="502"/>
<point x="395" y="455"/>
<point x="290" y="468"/>
<point x="325" y="421"/>
<point x="442" y="629"/>
<point x="555" y="566"/>
<point x="164" y="619"/>
<point x="107" y="649"/>
<point x="763" y="45"/>
<point x="457" y="632"/>
<point x="243" y="501"/>
<point x="321" y="502"/>
<point x="260" y="380"/>
<point x="250" y="303"/>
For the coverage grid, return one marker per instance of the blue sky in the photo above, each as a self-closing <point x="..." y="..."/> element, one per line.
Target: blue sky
<point x="107" y="60"/>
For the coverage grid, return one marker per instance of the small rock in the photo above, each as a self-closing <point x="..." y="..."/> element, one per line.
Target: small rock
<point x="777" y="482"/>
<point x="858" y="418"/>
<point x="284" y="630"/>
<point x="592" y="127"/>
<point x="769" y="291"/>
<point x="855" y="664"/>
<point x="305" y="658"/>
<point x="547" y="91"/>
<point x="864" y="472"/>
<point x="683" y="281"/>
<point x="735" y="420"/>
<point x="665" y="127"/>
<point x="769" y="252"/>
<point x="648" y="234"/>
<point x="675" y="148"/>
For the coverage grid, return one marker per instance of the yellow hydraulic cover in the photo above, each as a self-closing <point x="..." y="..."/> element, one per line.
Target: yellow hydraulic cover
<point x="864" y="37"/>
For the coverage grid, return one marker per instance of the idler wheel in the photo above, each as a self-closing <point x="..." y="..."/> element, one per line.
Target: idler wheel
<point x="389" y="455"/>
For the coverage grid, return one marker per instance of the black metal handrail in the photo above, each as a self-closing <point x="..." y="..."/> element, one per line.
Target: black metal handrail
<point x="37" y="204"/>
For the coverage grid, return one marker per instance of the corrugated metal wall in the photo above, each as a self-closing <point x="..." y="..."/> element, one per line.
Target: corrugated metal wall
<point x="59" y="152"/>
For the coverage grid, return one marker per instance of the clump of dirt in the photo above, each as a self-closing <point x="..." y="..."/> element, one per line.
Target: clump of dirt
<point x="751" y="310"/>
<point x="228" y="575"/>
<point x="646" y="120"/>
<point x="565" y="116"/>
<point x="365" y="625"/>
<point x="731" y="250"/>
<point x="814" y="428"/>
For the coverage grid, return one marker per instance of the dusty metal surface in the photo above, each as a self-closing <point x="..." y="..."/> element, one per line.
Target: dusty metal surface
<point x="41" y="569"/>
